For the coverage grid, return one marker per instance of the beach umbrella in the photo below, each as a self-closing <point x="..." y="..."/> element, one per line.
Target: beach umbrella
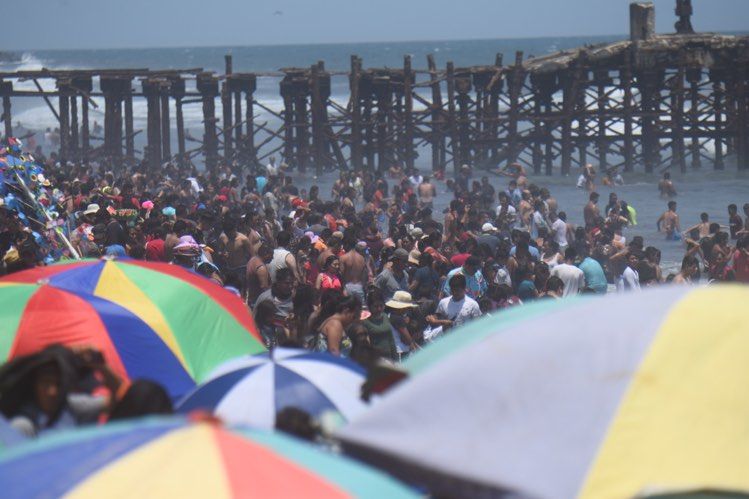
<point x="9" y="436"/>
<point x="252" y="389"/>
<point x="150" y="320"/>
<point x="173" y="457"/>
<point x="614" y="397"/>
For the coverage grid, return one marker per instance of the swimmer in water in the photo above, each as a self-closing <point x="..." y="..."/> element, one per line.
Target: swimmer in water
<point x="516" y="171"/>
<point x="703" y="227"/>
<point x="587" y="178"/>
<point x="612" y="177"/>
<point x="666" y="186"/>
<point x="670" y="221"/>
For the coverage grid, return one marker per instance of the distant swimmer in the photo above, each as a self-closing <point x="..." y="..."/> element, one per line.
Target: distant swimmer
<point x="516" y="171"/>
<point x="666" y="186"/>
<point x="611" y="177"/>
<point x="587" y="178"/>
<point x="701" y="230"/>
<point x="670" y="222"/>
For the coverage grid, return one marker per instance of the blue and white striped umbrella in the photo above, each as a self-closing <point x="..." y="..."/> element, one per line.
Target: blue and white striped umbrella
<point x="252" y="389"/>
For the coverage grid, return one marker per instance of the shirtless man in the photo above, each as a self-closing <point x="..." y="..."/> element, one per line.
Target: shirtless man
<point x="516" y="171"/>
<point x="666" y="187"/>
<point x="587" y="178"/>
<point x="525" y="208"/>
<point x="354" y="271"/>
<point x="689" y="268"/>
<point x="452" y="220"/>
<point x="670" y="221"/>
<point x="591" y="213"/>
<point x="257" y="276"/>
<point x="703" y="226"/>
<point x="256" y="222"/>
<point x="551" y="204"/>
<point x="236" y="249"/>
<point x="427" y="192"/>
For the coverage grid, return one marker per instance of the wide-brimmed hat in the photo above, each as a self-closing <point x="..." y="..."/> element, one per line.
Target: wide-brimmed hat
<point x="187" y="246"/>
<point x="401" y="299"/>
<point x="92" y="209"/>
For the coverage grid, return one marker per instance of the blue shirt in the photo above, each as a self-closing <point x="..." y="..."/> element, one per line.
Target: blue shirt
<point x="475" y="284"/>
<point x="260" y="182"/>
<point x="595" y="278"/>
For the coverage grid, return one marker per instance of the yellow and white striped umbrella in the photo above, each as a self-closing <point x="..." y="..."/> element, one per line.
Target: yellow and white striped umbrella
<point x="616" y="397"/>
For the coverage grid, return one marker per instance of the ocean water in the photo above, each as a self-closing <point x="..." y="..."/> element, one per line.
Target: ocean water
<point x="700" y="190"/>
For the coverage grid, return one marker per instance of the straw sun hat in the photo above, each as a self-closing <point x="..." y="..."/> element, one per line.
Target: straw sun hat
<point x="401" y="299"/>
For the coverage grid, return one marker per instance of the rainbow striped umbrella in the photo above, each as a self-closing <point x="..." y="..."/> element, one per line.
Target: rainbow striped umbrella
<point x="617" y="397"/>
<point x="150" y="320"/>
<point x="173" y="457"/>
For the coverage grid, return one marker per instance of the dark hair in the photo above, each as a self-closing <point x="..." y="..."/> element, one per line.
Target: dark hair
<point x="554" y="283"/>
<point x="348" y="303"/>
<point x="283" y="274"/>
<point x="329" y="261"/>
<point x="671" y="205"/>
<point x="229" y="225"/>
<point x="283" y="238"/>
<point x="144" y="397"/>
<point x="688" y="260"/>
<point x="458" y="281"/>
<point x="473" y="261"/>
<point x="570" y="253"/>
<point x="375" y="296"/>
<point x="264" y="249"/>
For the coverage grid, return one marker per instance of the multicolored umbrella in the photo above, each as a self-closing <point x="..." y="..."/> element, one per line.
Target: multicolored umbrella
<point x="150" y="320"/>
<point x="617" y="397"/>
<point x="252" y="389"/>
<point x="172" y="457"/>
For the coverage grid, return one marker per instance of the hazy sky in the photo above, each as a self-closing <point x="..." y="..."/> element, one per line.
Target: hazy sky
<point x="47" y="24"/>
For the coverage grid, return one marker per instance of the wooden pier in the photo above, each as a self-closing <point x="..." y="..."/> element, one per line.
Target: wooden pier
<point x="650" y="102"/>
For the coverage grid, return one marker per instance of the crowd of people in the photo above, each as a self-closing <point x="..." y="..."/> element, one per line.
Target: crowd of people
<point x="371" y="269"/>
<point x="370" y="272"/>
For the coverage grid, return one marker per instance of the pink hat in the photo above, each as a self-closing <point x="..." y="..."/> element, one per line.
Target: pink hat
<point x="187" y="246"/>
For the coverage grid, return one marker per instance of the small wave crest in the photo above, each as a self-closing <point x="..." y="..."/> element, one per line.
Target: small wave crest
<point x="28" y="61"/>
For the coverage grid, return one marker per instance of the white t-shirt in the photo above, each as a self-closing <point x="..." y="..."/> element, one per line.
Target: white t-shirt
<point x="560" y="232"/>
<point x="510" y="209"/>
<point x="459" y="312"/>
<point x="628" y="281"/>
<point x="572" y="277"/>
